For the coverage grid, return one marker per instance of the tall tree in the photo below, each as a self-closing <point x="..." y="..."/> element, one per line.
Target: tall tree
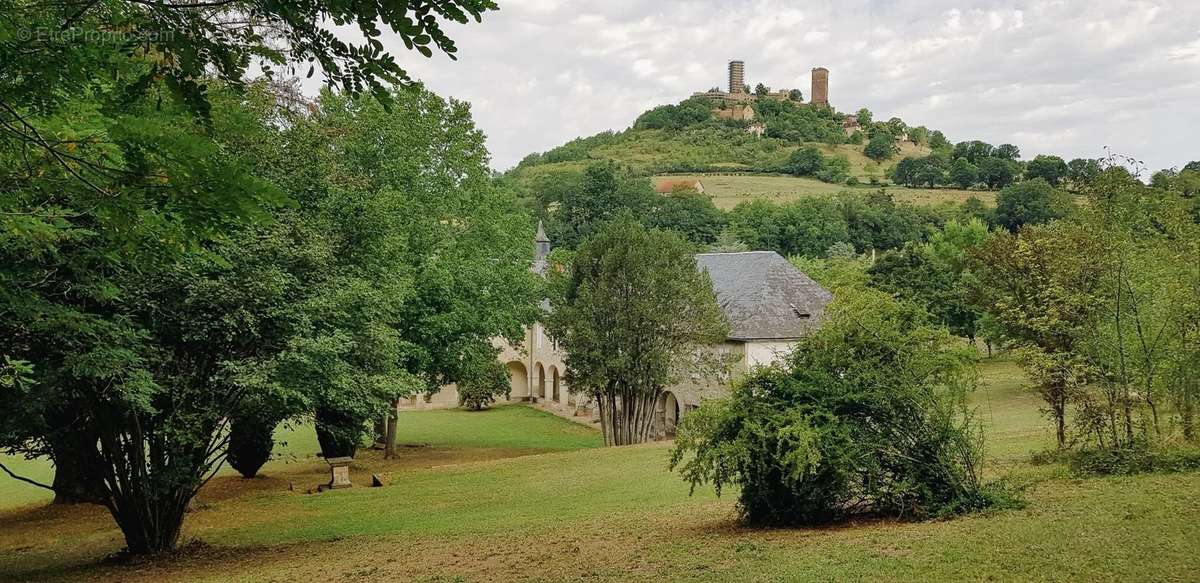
<point x="630" y="312"/>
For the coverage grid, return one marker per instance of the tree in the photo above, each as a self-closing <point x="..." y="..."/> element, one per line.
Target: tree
<point x="869" y="415"/>
<point x="919" y="135"/>
<point x="805" y="161"/>
<point x="761" y="90"/>
<point x="974" y="151"/>
<point x="995" y="172"/>
<point x="938" y="141"/>
<point x="834" y="169"/>
<point x="630" y="312"/>
<point x="1193" y="166"/>
<point x="1030" y="202"/>
<point x="880" y="147"/>
<point x="1052" y="169"/>
<point x="689" y="213"/>
<point x="864" y="117"/>
<point x="796" y="95"/>
<point x="607" y="190"/>
<point x="964" y="173"/>
<point x="484" y="385"/>
<point x="1081" y="171"/>
<point x="1007" y="152"/>
<point x="109" y="223"/>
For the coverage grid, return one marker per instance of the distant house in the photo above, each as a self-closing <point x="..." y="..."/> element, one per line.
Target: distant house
<point x="769" y="305"/>
<point x="667" y="186"/>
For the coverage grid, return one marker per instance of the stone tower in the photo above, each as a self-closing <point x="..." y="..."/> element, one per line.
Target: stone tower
<point x="820" y="86"/>
<point x="737" y="77"/>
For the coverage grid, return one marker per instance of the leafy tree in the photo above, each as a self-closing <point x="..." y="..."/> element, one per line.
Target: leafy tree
<point x="1030" y="202"/>
<point x="1193" y="166"/>
<point x="875" y="221"/>
<point x="974" y="151"/>
<point x="690" y="112"/>
<point x="606" y="191"/>
<point x="834" y="169"/>
<point x="964" y="173"/>
<point x="796" y="95"/>
<point x="896" y="127"/>
<point x="938" y="141"/>
<point x="484" y="385"/>
<point x="919" y="135"/>
<point x="689" y="213"/>
<point x="880" y="147"/>
<point x="1081" y="171"/>
<point x="868" y="416"/>
<point x="630" y="311"/>
<point x="806" y="161"/>
<point x="995" y="172"/>
<point x="905" y="171"/>
<point x="1007" y="152"/>
<point x="973" y="208"/>
<point x="864" y="117"/>
<point x="856" y="138"/>
<point x="1052" y="169"/>
<point x="761" y="90"/>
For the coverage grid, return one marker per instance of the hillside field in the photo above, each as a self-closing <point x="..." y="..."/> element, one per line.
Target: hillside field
<point x="516" y="494"/>
<point x="728" y="190"/>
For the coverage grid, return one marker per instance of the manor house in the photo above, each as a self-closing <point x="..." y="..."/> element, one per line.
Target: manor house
<point x="769" y="305"/>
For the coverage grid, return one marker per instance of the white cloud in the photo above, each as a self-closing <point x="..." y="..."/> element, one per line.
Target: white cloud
<point x="1062" y="76"/>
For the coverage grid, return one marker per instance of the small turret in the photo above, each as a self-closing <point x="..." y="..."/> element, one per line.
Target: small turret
<point x="541" y="244"/>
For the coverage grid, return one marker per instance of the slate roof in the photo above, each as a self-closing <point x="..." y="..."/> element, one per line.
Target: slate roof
<point x="763" y="296"/>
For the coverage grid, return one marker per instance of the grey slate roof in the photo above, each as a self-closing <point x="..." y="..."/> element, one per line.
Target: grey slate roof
<point x="764" y="296"/>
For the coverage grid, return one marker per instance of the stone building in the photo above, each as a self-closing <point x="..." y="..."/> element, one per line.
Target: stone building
<point x="820" y="86"/>
<point x="768" y="303"/>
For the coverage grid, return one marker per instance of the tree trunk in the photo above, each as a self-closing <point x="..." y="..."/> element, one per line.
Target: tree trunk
<point x="71" y="482"/>
<point x="389" y="447"/>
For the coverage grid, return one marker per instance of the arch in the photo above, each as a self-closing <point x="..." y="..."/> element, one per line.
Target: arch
<point x="541" y="381"/>
<point x="667" y="414"/>
<point x="556" y="395"/>
<point x="519" y="378"/>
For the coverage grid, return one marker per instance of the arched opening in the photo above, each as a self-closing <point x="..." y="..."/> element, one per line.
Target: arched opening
<point x="541" y="381"/>
<point x="520" y="381"/>
<point x="554" y="384"/>
<point x="666" y="414"/>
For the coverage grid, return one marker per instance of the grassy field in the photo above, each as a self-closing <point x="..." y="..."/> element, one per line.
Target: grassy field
<point x="727" y="191"/>
<point x="516" y="494"/>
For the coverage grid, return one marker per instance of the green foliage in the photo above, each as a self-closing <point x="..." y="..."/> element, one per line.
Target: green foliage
<point x="805" y="161"/>
<point x="964" y="174"/>
<point x="688" y="213"/>
<point x="629" y="313"/>
<point x="938" y="141"/>
<point x="486" y="384"/>
<point x="251" y="439"/>
<point x="690" y="112"/>
<point x="796" y="123"/>
<point x="606" y="191"/>
<point x="1031" y="202"/>
<point x="996" y="172"/>
<point x="1052" y="169"/>
<point x="1132" y="459"/>
<point x="880" y="147"/>
<point x="869" y="416"/>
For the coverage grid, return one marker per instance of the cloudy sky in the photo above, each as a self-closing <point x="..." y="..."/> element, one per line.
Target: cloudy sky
<point x="1052" y="76"/>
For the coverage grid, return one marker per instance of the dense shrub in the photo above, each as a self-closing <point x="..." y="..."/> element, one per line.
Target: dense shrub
<point x="1031" y="202"/>
<point x="868" y="416"/>
<point x="483" y="388"/>
<point x="689" y="112"/>
<point x="1133" y="459"/>
<point x="251" y="439"/>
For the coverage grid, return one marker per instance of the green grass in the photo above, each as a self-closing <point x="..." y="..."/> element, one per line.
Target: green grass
<point x="727" y="191"/>
<point x="509" y="428"/>
<point x="577" y="512"/>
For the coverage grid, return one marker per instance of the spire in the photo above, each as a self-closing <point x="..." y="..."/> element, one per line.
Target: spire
<point x="541" y="246"/>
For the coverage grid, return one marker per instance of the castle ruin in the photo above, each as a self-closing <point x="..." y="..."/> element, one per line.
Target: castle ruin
<point x="736" y="103"/>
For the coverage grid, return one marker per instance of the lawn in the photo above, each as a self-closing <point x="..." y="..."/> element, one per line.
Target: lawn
<point x="516" y="494"/>
<point x="727" y="191"/>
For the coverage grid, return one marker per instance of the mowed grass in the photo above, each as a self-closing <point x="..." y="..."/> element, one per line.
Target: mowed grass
<point x="727" y="191"/>
<point x="617" y="514"/>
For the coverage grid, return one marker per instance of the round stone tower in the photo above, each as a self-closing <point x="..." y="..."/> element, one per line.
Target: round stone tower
<point x="820" y="86"/>
<point x="737" y="77"/>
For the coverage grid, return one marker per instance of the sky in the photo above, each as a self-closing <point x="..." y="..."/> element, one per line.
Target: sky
<point x="1067" y="77"/>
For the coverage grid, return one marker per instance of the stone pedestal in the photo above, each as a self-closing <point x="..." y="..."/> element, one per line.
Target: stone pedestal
<point x="339" y="468"/>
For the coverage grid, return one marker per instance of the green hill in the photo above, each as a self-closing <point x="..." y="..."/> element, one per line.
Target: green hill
<point x="733" y="163"/>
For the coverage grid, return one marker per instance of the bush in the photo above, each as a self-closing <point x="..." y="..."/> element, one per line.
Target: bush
<point x="1134" y="459"/>
<point x="869" y="417"/>
<point x="482" y="389"/>
<point x="340" y="431"/>
<point x="251" y="439"/>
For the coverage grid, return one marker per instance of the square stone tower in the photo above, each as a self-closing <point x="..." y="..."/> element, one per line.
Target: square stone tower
<point x="737" y="77"/>
<point x="820" y="86"/>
